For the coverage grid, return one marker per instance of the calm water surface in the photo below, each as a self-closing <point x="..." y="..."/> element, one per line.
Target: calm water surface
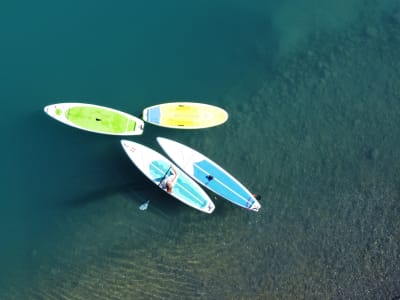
<point x="312" y="89"/>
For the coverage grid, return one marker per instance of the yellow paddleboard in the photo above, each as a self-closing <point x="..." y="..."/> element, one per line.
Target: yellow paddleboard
<point x="185" y="115"/>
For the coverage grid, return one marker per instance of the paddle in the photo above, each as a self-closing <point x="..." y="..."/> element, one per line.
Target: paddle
<point x="145" y="205"/>
<point x="165" y="175"/>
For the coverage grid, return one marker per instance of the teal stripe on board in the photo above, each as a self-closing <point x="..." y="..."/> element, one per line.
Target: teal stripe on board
<point x="221" y="184"/>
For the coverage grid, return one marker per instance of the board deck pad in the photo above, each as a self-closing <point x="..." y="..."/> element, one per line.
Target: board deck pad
<point x="183" y="186"/>
<point x="97" y="119"/>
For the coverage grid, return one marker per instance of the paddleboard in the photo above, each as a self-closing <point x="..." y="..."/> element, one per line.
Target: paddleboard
<point x="94" y="118"/>
<point x="209" y="174"/>
<point x="185" y="115"/>
<point x="155" y="167"/>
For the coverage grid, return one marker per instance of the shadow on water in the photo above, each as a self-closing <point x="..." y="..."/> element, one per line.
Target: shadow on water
<point x="138" y="192"/>
<point x="102" y="192"/>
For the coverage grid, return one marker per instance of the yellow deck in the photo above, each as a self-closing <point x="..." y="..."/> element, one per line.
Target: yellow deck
<point x="185" y="115"/>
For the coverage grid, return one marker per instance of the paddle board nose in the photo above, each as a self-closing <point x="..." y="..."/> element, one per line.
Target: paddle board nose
<point x="49" y="109"/>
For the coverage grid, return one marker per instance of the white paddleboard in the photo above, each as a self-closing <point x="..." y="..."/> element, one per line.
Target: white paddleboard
<point x="209" y="174"/>
<point x="155" y="166"/>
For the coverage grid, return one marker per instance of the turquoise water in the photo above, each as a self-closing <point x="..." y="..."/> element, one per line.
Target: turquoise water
<point x="312" y="89"/>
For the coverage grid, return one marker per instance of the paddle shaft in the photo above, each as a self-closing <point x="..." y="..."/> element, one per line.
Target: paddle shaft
<point x="165" y="175"/>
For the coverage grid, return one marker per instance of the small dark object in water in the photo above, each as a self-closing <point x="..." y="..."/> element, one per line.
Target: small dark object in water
<point x="210" y="177"/>
<point x="373" y="154"/>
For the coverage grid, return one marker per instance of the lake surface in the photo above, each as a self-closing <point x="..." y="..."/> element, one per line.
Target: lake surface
<point x="312" y="89"/>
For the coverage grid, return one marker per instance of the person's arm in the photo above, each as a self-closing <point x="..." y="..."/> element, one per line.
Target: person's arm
<point x="174" y="173"/>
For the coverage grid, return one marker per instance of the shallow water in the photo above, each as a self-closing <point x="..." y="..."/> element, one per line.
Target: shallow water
<point x="313" y="94"/>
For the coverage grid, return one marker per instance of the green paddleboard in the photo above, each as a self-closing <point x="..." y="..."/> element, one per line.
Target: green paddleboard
<point x="95" y="118"/>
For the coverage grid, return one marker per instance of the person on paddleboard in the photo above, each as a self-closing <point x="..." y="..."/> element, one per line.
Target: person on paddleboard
<point x="169" y="181"/>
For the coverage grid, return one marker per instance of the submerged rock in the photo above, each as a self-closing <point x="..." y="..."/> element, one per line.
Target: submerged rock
<point x="371" y="32"/>
<point x="373" y="154"/>
<point x="396" y="17"/>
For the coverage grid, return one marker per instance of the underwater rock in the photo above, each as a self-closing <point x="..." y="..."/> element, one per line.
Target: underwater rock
<point x="371" y="32"/>
<point x="396" y="17"/>
<point x="34" y="253"/>
<point x="356" y="122"/>
<point x="373" y="154"/>
<point x="245" y="157"/>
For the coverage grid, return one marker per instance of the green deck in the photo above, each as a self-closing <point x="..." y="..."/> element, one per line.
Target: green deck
<point x="100" y="119"/>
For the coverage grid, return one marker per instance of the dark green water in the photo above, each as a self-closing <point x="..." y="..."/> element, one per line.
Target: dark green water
<point x="313" y="93"/>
